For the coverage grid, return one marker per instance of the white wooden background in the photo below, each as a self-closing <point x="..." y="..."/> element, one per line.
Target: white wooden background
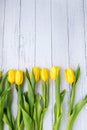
<point x="46" y="33"/>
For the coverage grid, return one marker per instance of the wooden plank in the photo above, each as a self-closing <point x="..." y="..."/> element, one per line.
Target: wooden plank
<point x="77" y="50"/>
<point x="60" y="48"/>
<point x="85" y="70"/>
<point x="27" y="34"/>
<point x="2" y="16"/>
<point x="43" y="48"/>
<point x="11" y="36"/>
<point x="85" y="41"/>
<point x="11" y="42"/>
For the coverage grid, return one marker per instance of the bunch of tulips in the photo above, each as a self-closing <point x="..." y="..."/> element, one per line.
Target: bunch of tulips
<point x="32" y="106"/>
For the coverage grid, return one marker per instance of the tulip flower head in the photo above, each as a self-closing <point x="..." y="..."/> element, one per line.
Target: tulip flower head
<point x="54" y="71"/>
<point x="44" y="74"/>
<point x="11" y="76"/>
<point x="19" y="77"/>
<point x="69" y="75"/>
<point x="36" y="71"/>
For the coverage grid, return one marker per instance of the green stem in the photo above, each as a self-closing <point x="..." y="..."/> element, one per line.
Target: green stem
<point x="41" y="125"/>
<point x="57" y="93"/>
<point x="57" y="106"/>
<point x="37" y="128"/>
<point x="44" y="92"/>
<point x="1" y="125"/>
<point x="56" y="125"/>
<point x="41" y="120"/>
<point x="19" y="113"/>
<point x="72" y="98"/>
<point x="76" y="110"/>
<point x="47" y="94"/>
<point x="11" y="128"/>
<point x="70" y="124"/>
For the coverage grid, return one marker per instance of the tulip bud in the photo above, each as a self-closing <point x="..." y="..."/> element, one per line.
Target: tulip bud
<point x="69" y="75"/>
<point x="36" y="71"/>
<point x="54" y="71"/>
<point x="19" y="77"/>
<point x="11" y="76"/>
<point x="44" y="74"/>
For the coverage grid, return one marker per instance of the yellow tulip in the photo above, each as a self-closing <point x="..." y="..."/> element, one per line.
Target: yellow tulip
<point x="54" y="72"/>
<point x="19" y="77"/>
<point x="44" y="74"/>
<point x="69" y="75"/>
<point x="11" y="76"/>
<point x="36" y="71"/>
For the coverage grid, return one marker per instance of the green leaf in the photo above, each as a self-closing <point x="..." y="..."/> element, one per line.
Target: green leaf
<point x="2" y="83"/>
<point x="22" y="125"/>
<point x="6" y="120"/>
<point x="77" y="74"/>
<point x="9" y="95"/>
<point x="33" y="81"/>
<point x="28" y="77"/>
<point x="38" y="105"/>
<point x="19" y="116"/>
<point x="1" y="75"/>
<point x="41" y="119"/>
<point x="38" y="109"/>
<point x="26" y="105"/>
<point x="78" y="107"/>
<point x="15" y="124"/>
<point x="76" y="110"/>
<point x="3" y="95"/>
<point x="9" y="115"/>
<point x="57" y="117"/>
<point x="30" y="98"/>
<point x="28" y="122"/>
<point x="62" y="94"/>
<point x="7" y="84"/>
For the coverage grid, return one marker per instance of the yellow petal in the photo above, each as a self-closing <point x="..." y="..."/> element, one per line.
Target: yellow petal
<point x="44" y="74"/>
<point x="19" y="77"/>
<point x="11" y="75"/>
<point x="54" y="71"/>
<point x="69" y="75"/>
<point x="36" y="71"/>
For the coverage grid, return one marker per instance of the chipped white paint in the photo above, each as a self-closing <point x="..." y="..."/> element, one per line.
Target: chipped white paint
<point x="45" y="33"/>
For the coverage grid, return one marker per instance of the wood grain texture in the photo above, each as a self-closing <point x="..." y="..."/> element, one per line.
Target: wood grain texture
<point x="43" y="48"/>
<point x="27" y="33"/>
<point x="11" y="42"/>
<point x="77" y="49"/>
<point x="2" y="18"/>
<point x="60" y="47"/>
<point x="85" y="70"/>
<point x="46" y="33"/>
<point x="11" y="35"/>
